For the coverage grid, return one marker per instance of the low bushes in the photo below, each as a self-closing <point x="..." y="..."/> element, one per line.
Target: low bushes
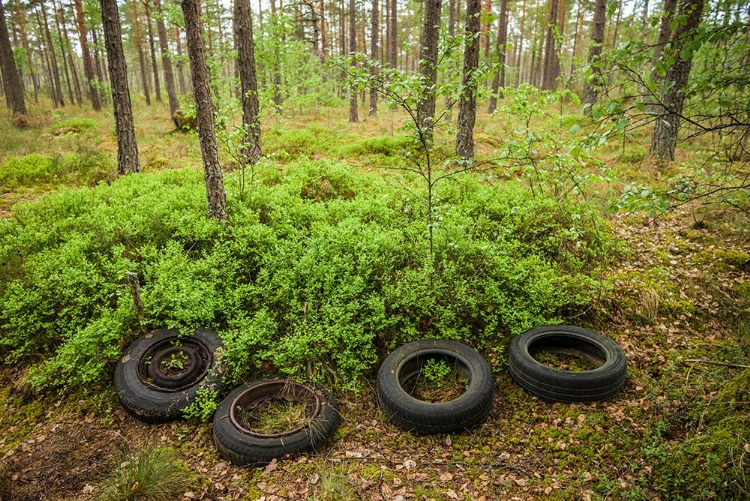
<point x="320" y="273"/>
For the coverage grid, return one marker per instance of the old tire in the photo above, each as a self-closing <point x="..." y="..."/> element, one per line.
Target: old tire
<point x="160" y="373"/>
<point x="557" y="385"/>
<point x="245" y="447"/>
<point x="464" y="412"/>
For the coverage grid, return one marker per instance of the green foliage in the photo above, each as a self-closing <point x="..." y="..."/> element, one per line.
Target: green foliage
<point x="75" y="125"/>
<point x="152" y="475"/>
<point x="86" y="166"/>
<point x="321" y="273"/>
<point x="435" y="370"/>
<point x="203" y="407"/>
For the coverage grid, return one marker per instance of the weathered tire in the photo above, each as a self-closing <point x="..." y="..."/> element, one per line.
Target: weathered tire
<point x="466" y="411"/>
<point x="566" y="386"/>
<point x="152" y="394"/>
<point x="245" y="447"/>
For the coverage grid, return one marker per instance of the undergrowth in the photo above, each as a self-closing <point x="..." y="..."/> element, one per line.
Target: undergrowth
<point x="319" y="274"/>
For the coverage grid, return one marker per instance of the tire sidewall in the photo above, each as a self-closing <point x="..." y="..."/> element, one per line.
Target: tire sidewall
<point x="154" y="405"/>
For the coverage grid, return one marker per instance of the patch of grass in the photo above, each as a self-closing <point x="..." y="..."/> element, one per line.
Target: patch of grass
<point x="74" y="126"/>
<point x="87" y="166"/>
<point x="277" y="415"/>
<point x="151" y="475"/>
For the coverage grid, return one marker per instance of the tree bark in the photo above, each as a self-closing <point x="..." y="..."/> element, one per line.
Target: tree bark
<point x="217" y="205"/>
<point x="519" y="55"/>
<point x="152" y="48"/>
<point x="180" y="64"/>
<point x="99" y="67"/>
<point x="53" y="58"/>
<point x="166" y="61"/>
<point x="127" y="148"/>
<point x="27" y="48"/>
<point x="245" y="45"/>
<point x="551" y="67"/>
<point x="665" y="31"/>
<point x="393" y="33"/>
<point x="664" y="138"/>
<point x="11" y="78"/>
<point x="467" y="106"/>
<point x="500" y="47"/>
<point x="66" y="73"/>
<point x="88" y="65"/>
<point x="353" y="105"/>
<point x="71" y="60"/>
<point x="141" y="55"/>
<point x="374" y="55"/>
<point x="428" y="62"/>
<point x="486" y="27"/>
<point x="597" y="39"/>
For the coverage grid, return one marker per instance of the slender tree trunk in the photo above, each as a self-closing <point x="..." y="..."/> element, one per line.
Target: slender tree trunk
<point x="166" y="61"/>
<point x="551" y="65"/>
<point x="99" y="67"/>
<point x="452" y="18"/>
<point x="180" y="64"/>
<point x="88" y="66"/>
<point x="217" y="205"/>
<point x="500" y="47"/>
<point x="533" y="74"/>
<point x="141" y="55"/>
<point x="467" y="106"/>
<point x="11" y="78"/>
<point x="152" y="48"/>
<point x="578" y="37"/>
<point x="71" y="60"/>
<point x="393" y="33"/>
<point x="670" y="8"/>
<point x="27" y="48"/>
<point x="664" y="138"/>
<point x="428" y="63"/>
<point x="613" y="41"/>
<point x="127" y="148"/>
<point x="485" y="26"/>
<point x="245" y="45"/>
<point x="374" y="54"/>
<point x="353" y="106"/>
<point x="597" y="39"/>
<point x="53" y="57"/>
<point x="519" y="55"/>
<point x="66" y="73"/>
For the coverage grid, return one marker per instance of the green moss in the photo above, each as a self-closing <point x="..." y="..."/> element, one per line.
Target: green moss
<point x="713" y="464"/>
<point x="743" y="290"/>
<point x="739" y="260"/>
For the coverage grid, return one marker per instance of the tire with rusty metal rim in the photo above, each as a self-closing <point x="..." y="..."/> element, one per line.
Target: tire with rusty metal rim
<point x="160" y="373"/>
<point x="238" y="443"/>
<point x="462" y="413"/>
<point x="556" y="385"/>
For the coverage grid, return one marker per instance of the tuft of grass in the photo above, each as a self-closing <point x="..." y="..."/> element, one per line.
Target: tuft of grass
<point x="152" y="475"/>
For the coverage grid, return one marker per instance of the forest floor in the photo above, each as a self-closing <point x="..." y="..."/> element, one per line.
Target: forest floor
<point x="676" y="309"/>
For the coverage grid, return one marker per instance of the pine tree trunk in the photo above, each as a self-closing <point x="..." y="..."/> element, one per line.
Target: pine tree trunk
<point x="127" y="148"/>
<point x="551" y="66"/>
<point x="180" y="64"/>
<point x="428" y="63"/>
<point x="11" y="78"/>
<point x="141" y="55"/>
<point x="500" y="47"/>
<point x="53" y="58"/>
<point x="353" y="106"/>
<point x="597" y="39"/>
<point x="467" y="105"/>
<point x="374" y="55"/>
<point x="88" y="66"/>
<point x="25" y="42"/>
<point x="486" y="26"/>
<point x="664" y="138"/>
<point x="665" y="32"/>
<point x="519" y="55"/>
<point x="217" y="205"/>
<point x="245" y="46"/>
<point x="152" y="48"/>
<point x="393" y="33"/>
<point x="166" y="61"/>
<point x="71" y="59"/>
<point x="101" y="75"/>
<point x="68" y="81"/>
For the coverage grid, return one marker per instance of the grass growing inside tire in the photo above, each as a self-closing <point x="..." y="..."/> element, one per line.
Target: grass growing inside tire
<point x="566" y="361"/>
<point x="438" y="381"/>
<point x="276" y="415"/>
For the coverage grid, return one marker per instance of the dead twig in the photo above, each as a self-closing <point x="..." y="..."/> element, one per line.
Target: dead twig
<point x="715" y="362"/>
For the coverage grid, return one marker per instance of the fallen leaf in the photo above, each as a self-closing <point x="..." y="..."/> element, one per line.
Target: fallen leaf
<point x="409" y="464"/>
<point x="271" y="466"/>
<point x="445" y="477"/>
<point x="448" y="441"/>
<point x="315" y="478"/>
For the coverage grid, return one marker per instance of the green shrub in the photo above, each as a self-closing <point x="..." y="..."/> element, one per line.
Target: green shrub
<point x="87" y="166"/>
<point x="319" y="274"/>
<point x="76" y="125"/>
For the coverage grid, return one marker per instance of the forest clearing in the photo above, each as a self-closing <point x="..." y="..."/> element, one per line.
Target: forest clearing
<point x="346" y="204"/>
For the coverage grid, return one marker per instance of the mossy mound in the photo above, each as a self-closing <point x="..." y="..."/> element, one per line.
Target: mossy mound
<point x="714" y="464"/>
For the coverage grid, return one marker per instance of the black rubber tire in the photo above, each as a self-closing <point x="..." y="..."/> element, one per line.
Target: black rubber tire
<point x="246" y="448"/>
<point x="466" y="411"/>
<point x="152" y="403"/>
<point x="557" y="385"/>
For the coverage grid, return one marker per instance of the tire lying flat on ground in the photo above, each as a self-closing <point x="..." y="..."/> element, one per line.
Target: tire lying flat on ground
<point x="160" y="373"/>
<point x="240" y="444"/>
<point x="464" y="412"/>
<point x="557" y="385"/>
